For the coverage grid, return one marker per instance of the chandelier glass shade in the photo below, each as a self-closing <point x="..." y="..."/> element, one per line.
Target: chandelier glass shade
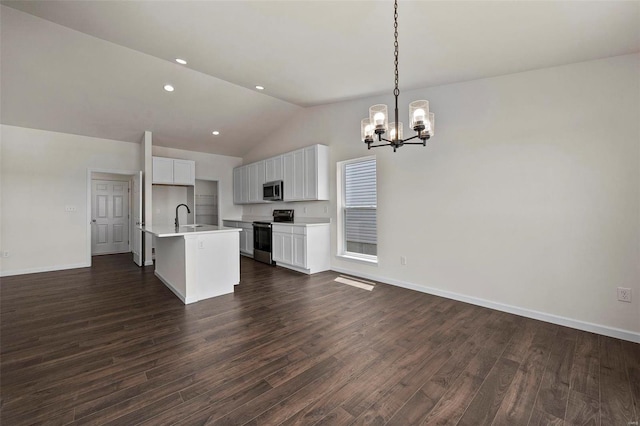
<point x="421" y="120"/>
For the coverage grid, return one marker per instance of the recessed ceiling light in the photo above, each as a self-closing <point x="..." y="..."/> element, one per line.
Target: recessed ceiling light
<point x="259" y="87"/>
<point x="168" y="88"/>
<point x="215" y="133"/>
<point x="181" y="61"/>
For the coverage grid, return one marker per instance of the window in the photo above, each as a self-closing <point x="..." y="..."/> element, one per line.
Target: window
<point x="358" y="227"/>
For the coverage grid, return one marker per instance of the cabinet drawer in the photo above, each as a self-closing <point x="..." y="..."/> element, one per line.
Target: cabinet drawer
<point x="288" y="229"/>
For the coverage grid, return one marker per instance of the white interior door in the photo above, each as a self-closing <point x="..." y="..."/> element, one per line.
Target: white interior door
<point x="136" y="200"/>
<point x="110" y="217"/>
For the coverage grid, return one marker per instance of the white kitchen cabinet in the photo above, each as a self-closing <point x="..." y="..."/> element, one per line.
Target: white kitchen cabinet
<point x="299" y="251"/>
<point x="246" y="183"/>
<point x="303" y="248"/>
<point x="162" y="170"/>
<point x="173" y="171"/>
<point x="293" y="179"/>
<point x="256" y="180"/>
<point x="184" y="172"/>
<point x="316" y="173"/>
<point x="241" y="185"/>
<point x="282" y="247"/>
<point x="247" y="238"/>
<point x="237" y="186"/>
<point x="304" y="172"/>
<point x="246" y="235"/>
<point x="273" y="169"/>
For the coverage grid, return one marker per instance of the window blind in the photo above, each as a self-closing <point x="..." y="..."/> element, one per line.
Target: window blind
<point x="360" y="202"/>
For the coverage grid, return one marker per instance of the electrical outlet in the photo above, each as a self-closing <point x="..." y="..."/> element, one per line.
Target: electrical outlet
<point x="326" y="209"/>
<point x="304" y="210"/>
<point x="201" y="244"/>
<point x="403" y="260"/>
<point x="70" y="208"/>
<point x="624" y="294"/>
<point x="6" y="253"/>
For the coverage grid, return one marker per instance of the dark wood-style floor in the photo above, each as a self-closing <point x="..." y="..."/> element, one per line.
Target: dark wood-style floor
<point x="111" y="345"/>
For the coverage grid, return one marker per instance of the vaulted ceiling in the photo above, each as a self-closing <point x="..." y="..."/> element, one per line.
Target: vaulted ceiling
<point x="98" y="68"/>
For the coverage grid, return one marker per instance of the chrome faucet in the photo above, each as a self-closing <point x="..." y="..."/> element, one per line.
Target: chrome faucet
<point x="177" y="207"/>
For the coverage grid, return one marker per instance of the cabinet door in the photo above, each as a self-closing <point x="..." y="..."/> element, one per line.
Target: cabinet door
<point x="299" y="251"/>
<point x="256" y="178"/>
<point x="162" y="170"/>
<point x="288" y="176"/>
<point x="310" y="173"/>
<point x="293" y="163"/>
<point x="184" y="172"/>
<point x="244" y="187"/>
<point x="298" y="174"/>
<point x="249" y="242"/>
<point x="287" y="248"/>
<point x="277" y="246"/>
<point x="243" y="241"/>
<point x="237" y="185"/>
<point x="273" y="169"/>
<point x="246" y="240"/>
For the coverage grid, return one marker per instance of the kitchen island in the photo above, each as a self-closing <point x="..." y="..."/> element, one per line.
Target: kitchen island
<point x="197" y="262"/>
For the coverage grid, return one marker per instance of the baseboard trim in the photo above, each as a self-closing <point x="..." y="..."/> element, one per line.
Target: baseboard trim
<point x="523" y="312"/>
<point x="10" y="273"/>
<point x="170" y="287"/>
<point x="148" y="263"/>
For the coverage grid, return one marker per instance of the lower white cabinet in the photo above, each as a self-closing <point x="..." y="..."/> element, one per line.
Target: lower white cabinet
<point x="246" y="235"/>
<point x="304" y="248"/>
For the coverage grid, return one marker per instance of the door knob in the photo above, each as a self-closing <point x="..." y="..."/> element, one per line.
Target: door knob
<point x="93" y="220"/>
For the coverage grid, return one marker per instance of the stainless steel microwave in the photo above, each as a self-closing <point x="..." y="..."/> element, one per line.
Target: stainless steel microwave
<point x="272" y="191"/>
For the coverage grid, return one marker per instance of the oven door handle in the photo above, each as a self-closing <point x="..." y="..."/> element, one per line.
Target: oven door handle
<point x="260" y="225"/>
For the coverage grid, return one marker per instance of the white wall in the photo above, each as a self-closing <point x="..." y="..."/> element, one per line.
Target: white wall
<point x="165" y="200"/>
<point x="211" y="167"/>
<point x="527" y="199"/>
<point x="42" y="173"/>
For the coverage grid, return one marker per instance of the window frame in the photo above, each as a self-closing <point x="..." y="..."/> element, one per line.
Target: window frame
<point x="342" y="251"/>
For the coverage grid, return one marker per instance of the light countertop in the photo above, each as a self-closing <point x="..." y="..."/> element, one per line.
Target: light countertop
<point x="302" y="221"/>
<point x="171" y="231"/>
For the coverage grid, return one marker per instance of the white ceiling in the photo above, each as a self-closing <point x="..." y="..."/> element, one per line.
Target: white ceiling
<point x="304" y="52"/>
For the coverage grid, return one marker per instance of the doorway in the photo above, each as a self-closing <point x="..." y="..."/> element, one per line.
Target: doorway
<point x="110" y="215"/>
<point x="114" y="210"/>
<point x="207" y="206"/>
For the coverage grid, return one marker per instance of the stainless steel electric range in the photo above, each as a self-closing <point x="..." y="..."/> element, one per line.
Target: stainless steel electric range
<point x="262" y="240"/>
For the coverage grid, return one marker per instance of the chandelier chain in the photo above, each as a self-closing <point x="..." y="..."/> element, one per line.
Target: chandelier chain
<point x="396" y="91"/>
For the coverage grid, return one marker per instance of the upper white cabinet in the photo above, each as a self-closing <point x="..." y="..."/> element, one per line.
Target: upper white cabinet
<point x="171" y="171"/>
<point x="273" y="169"/>
<point x="294" y="175"/>
<point x="316" y="173"/>
<point x="242" y="185"/>
<point x="304" y="173"/>
<point x="184" y="172"/>
<point x="256" y="180"/>
<point x="162" y="170"/>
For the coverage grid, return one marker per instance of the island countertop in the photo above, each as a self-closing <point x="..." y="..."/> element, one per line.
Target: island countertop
<point x="162" y="231"/>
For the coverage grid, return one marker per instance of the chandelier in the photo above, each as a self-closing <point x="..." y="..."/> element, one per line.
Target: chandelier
<point x="420" y="119"/>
